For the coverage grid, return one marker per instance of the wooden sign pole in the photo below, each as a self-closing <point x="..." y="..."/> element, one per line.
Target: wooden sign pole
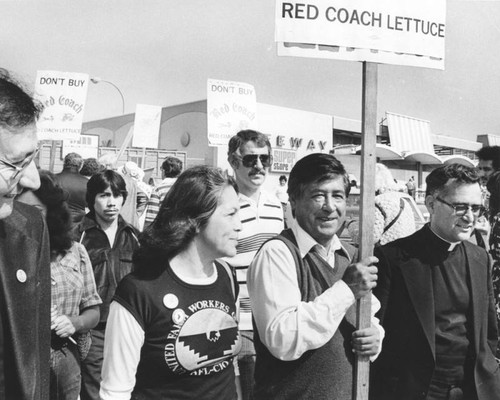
<point x="125" y="143"/>
<point x="52" y="160"/>
<point x="367" y="212"/>
<point x="143" y="158"/>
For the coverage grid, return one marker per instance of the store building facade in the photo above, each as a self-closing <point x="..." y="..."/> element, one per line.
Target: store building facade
<point x="405" y="144"/>
<point x="183" y="129"/>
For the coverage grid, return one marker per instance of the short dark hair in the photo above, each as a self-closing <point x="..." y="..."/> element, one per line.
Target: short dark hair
<point x="439" y="177"/>
<point x="73" y="160"/>
<point x="58" y="216"/>
<point x="490" y="153"/>
<point x="17" y="108"/>
<point x="172" y="167"/>
<point x="493" y="187"/>
<point x="100" y="182"/>
<point x="187" y="207"/>
<point x="283" y="178"/>
<point x="316" y="167"/>
<point x="91" y="167"/>
<point x="241" y="138"/>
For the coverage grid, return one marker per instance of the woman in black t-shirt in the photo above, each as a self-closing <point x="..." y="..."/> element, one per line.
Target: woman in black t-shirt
<point x="172" y="330"/>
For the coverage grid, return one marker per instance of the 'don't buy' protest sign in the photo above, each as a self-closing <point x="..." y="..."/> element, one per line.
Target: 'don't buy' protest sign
<point x="63" y="95"/>
<point x="231" y="107"/>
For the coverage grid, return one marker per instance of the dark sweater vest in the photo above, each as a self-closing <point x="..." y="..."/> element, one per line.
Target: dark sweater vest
<point x="322" y="373"/>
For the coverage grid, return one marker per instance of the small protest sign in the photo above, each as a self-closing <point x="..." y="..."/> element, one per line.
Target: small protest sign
<point x="63" y="95"/>
<point x="146" y="126"/>
<point x="231" y="107"/>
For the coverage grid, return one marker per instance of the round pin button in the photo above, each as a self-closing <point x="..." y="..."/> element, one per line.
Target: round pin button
<point x="21" y="276"/>
<point x="170" y="301"/>
<point x="178" y="316"/>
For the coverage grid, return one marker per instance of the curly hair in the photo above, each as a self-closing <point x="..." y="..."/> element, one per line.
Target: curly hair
<point x="73" y="160"/>
<point x="493" y="187"/>
<point x="186" y="209"/>
<point x="58" y="215"/>
<point x="172" y="167"/>
<point x="91" y="167"/>
<point x="490" y="153"/>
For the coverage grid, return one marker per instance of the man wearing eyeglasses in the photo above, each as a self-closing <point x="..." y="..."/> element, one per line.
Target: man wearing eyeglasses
<point x="249" y="153"/>
<point x="24" y="254"/>
<point x="437" y="302"/>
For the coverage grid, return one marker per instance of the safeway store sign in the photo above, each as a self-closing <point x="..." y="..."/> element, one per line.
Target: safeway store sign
<point x="383" y="31"/>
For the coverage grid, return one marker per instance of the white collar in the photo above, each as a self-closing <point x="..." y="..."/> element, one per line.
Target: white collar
<point x="452" y="245"/>
<point x="305" y="242"/>
<point x="262" y="197"/>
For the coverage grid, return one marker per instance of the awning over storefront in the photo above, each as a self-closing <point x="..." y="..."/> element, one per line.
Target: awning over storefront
<point x="384" y="152"/>
<point x="489" y="140"/>
<point x="458" y="159"/>
<point x="423" y="158"/>
<point x="412" y="138"/>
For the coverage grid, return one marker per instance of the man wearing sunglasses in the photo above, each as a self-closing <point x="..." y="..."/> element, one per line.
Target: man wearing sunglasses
<point x="24" y="254"/>
<point x="437" y="302"/>
<point x="249" y="153"/>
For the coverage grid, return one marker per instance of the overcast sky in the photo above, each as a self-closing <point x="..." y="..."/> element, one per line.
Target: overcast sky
<point x="162" y="53"/>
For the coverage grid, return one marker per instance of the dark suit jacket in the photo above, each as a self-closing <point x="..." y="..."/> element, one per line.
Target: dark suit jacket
<point x="25" y="303"/>
<point x="404" y="369"/>
<point x="76" y="186"/>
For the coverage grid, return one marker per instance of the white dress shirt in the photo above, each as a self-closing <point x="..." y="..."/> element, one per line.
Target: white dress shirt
<point x="287" y="326"/>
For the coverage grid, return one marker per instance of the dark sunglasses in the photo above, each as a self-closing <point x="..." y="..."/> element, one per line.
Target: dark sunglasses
<point x="250" y="160"/>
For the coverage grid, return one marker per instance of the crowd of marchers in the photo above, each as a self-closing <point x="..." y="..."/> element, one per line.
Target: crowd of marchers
<point x="199" y="288"/>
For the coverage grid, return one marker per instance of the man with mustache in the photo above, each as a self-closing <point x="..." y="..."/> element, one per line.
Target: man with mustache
<point x="249" y="153"/>
<point x="303" y="287"/>
<point x="437" y="302"/>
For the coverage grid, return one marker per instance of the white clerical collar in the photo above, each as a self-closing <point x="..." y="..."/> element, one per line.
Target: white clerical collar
<point x="452" y="245"/>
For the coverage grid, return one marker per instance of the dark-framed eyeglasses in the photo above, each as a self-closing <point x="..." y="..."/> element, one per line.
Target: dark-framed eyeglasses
<point x="461" y="209"/>
<point x="19" y="169"/>
<point x="250" y="160"/>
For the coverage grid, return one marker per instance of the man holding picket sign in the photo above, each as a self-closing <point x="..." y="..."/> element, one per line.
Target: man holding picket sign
<point x="303" y="286"/>
<point x="406" y="32"/>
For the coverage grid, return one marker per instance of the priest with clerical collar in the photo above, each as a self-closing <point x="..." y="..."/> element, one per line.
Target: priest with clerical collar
<point x="437" y="303"/>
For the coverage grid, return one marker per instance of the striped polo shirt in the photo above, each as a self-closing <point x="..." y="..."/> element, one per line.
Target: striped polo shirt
<point x="260" y="222"/>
